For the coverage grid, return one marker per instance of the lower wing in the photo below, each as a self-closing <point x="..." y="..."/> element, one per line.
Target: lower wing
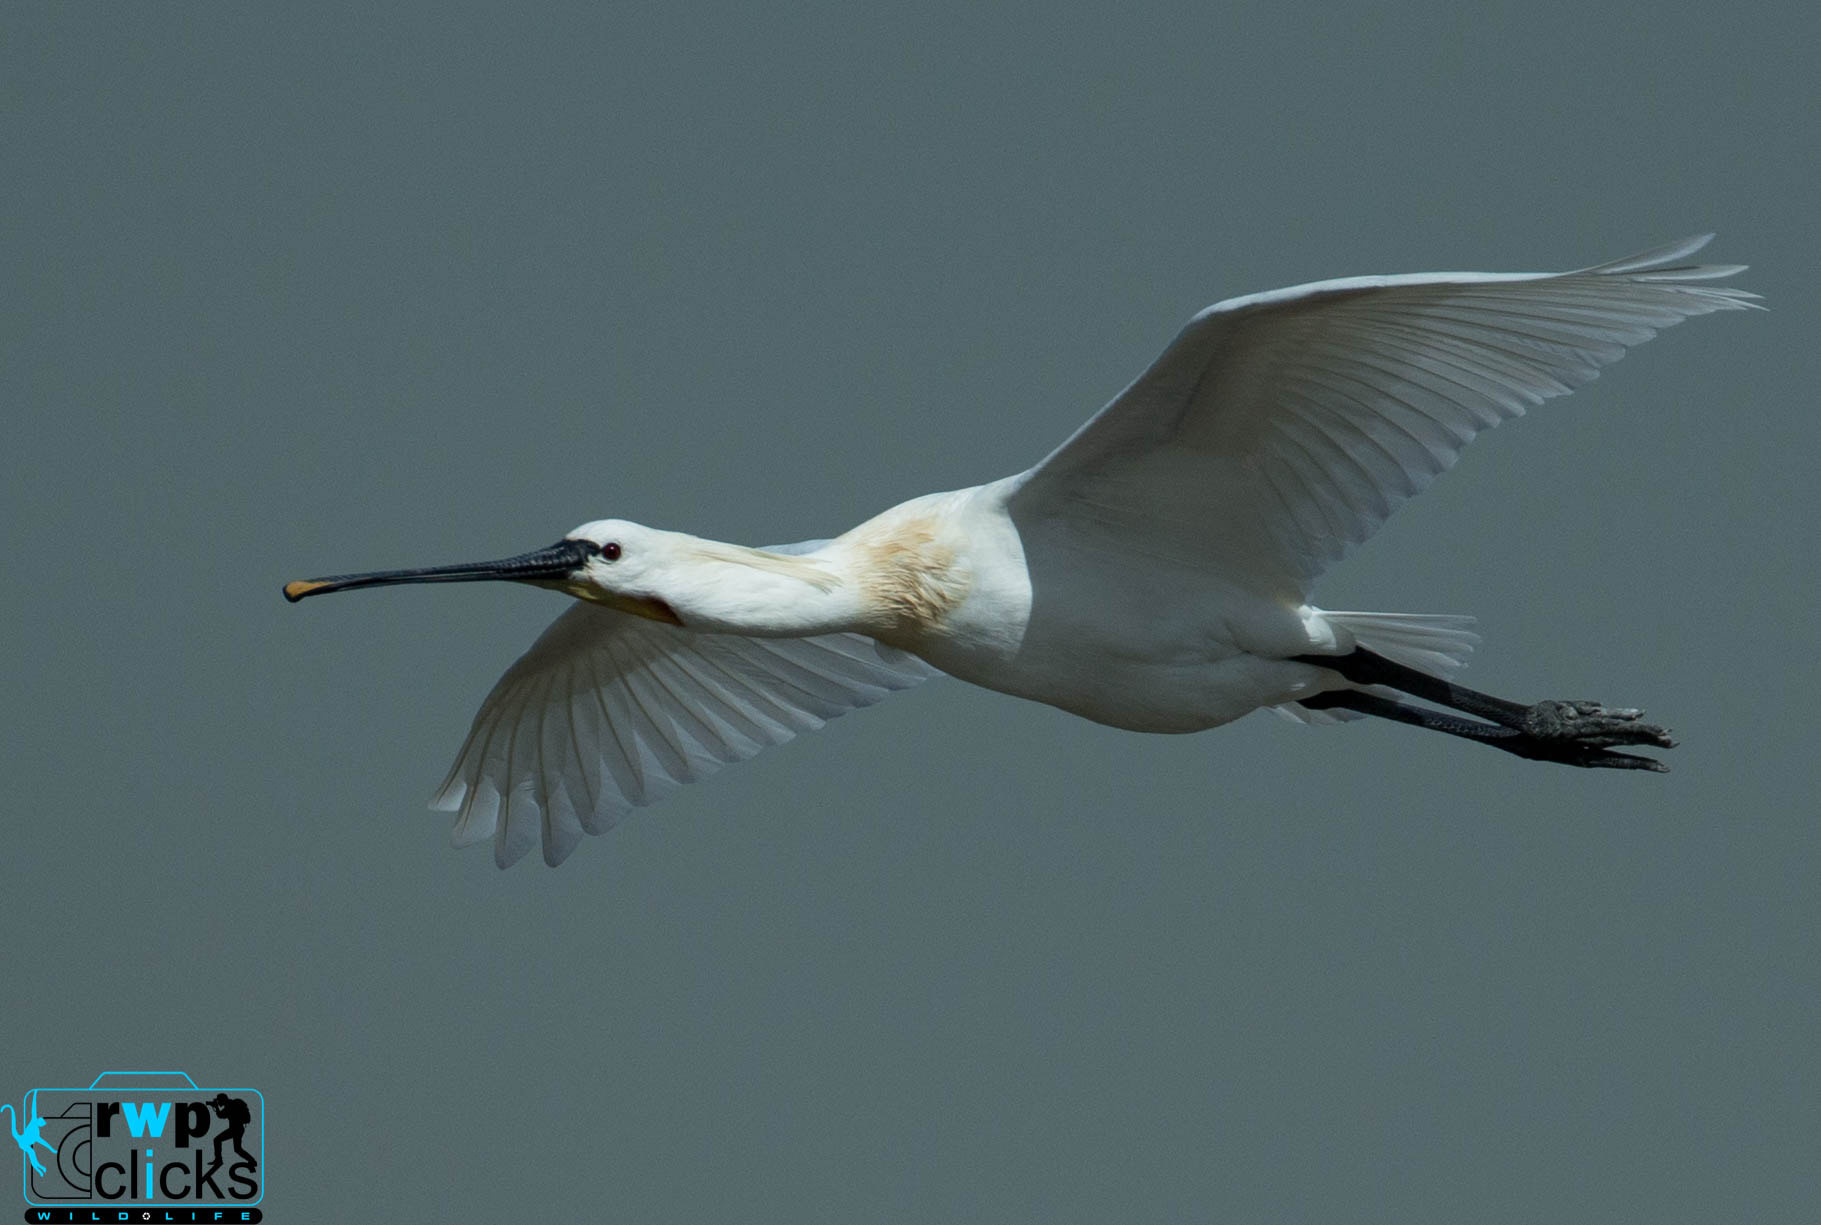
<point x="608" y="712"/>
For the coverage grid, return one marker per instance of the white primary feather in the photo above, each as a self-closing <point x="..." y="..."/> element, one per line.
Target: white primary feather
<point x="1279" y="430"/>
<point x="608" y="712"/>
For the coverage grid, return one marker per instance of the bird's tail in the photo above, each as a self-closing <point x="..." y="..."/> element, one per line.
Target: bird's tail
<point x="1436" y="643"/>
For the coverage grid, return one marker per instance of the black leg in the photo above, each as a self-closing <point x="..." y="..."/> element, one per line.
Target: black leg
<point x="1567" y="732"/>
<point x="1364" y="667"/>
<point x="1569" y="752"/>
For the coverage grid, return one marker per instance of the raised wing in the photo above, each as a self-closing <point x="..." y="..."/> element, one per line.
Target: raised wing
<point x="609" y="712"/>
<point x="1278" y="431"/>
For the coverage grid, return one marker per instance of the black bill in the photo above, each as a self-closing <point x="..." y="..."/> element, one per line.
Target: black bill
<point x="559" y="561"/>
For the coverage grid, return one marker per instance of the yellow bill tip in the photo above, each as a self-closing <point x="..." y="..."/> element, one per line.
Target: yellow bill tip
<point x="296" y="591"/>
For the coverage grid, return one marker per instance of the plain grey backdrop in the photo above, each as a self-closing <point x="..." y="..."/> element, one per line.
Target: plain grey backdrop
<point x="304" y="290"/>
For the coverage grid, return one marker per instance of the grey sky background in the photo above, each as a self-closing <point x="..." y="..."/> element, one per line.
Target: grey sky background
<point x="332" y="288"/>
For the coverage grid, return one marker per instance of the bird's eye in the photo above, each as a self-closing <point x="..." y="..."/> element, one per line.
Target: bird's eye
<point x="611" y="550"/>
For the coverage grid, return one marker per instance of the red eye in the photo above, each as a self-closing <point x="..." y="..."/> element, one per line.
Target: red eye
<point x="611" y="550"/>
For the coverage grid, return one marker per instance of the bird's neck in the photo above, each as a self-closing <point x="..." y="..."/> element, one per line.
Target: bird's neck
<point x="894" y="578"/>
<point x="731" y="589"/>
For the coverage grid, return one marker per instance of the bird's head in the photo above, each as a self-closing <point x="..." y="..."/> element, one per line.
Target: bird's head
<point x="623" y="566"/>
<point x="608" y="561"/>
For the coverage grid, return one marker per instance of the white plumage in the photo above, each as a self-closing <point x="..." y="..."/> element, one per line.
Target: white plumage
<point x="1153" y="572"/>
<point x="608" y="712"/>
<point x="1279" y="430"/>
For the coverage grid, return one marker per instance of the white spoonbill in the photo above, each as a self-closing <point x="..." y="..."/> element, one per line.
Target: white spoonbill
<point x="1153" y="572"/>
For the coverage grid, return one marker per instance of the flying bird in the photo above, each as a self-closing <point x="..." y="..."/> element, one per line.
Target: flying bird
<point x="1153" y="572"/>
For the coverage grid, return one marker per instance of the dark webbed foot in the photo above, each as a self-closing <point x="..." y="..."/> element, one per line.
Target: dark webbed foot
<point x="1579" y="733"/>
<point x="1574" y="753"/>
<point x="1594" y="725"/>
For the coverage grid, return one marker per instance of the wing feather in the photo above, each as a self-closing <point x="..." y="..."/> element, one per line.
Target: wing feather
<point x="1279" y="430"/>
<point x="608" y="712"/>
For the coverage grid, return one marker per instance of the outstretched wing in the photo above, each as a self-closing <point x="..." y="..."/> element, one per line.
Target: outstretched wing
<point x="609" y="712"/>
<point x="1278" y="431"/>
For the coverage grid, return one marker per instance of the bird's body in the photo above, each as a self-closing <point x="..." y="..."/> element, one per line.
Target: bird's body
<point x="1152" y="573"/>
<point x="949" y="578"/>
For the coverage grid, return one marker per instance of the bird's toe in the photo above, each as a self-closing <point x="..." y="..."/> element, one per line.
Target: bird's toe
<point x="1594" y="725"/>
